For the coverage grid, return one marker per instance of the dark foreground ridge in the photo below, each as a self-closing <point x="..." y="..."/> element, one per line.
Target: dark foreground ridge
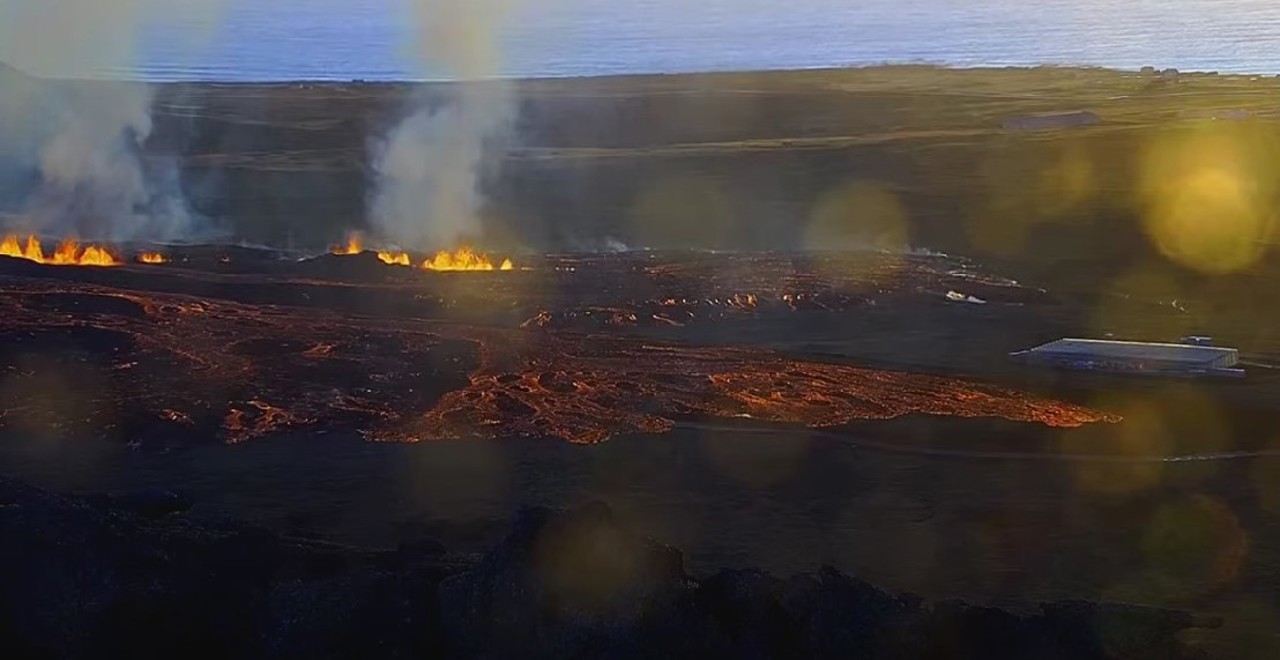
<point x="132" y="576"/>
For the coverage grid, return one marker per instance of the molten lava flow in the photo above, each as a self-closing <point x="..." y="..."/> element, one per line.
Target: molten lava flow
<point x="395" y="258"/>
<point x="153" y="258"/>
<point x="586" y="389"/>
<point x="354" y="245"/>
<point x="464" y="258"/>
<point x="69" y="253"/>
<point x="272" y="362"/>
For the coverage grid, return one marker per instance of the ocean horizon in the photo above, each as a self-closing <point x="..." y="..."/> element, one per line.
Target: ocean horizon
<point x="296" y="40"/>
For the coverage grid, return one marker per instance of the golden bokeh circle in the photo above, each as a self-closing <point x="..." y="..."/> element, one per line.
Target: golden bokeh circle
<point x="1208" y="194"/>
<point x="857" y="215"/>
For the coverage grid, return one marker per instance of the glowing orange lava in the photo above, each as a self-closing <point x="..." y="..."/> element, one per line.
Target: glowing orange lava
<point x="153" y="258"/>
<point x="354" y="245"/>
<point x="68" y="253"/>
<point x="585" y="389"/>
<point x="464" y="259"/>
<point x="244" y="369"/>
<point x="395" y="258"/>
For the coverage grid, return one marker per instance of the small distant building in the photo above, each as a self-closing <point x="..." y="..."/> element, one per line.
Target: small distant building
<point x="1051" y="121"/>
<point x="1233" y="114"/>
<point x="1196" y="356"/>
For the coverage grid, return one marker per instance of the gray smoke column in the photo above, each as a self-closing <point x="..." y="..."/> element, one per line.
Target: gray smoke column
<point x="428" y="168"/>
<point x="79" y="140"/>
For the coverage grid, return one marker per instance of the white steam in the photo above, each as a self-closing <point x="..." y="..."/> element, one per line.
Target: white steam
<point x="83" y="140"/>
<point x="428" y="169"/>
<point x="93" y="181"/>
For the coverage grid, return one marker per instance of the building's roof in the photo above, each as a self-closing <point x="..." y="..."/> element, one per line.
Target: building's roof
<point x="1132" y="350"/>
<point x="1053" y="120"/>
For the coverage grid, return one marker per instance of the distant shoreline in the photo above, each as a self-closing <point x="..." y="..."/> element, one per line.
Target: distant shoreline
<point x="887" y="67"/>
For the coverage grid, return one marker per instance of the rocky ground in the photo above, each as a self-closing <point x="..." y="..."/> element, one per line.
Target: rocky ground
<point x="130" y="576"/>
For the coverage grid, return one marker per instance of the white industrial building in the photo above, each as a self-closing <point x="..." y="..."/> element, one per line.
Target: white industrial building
<point x="1191" y="358"/>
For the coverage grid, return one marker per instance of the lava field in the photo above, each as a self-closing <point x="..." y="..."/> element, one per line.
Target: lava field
<point x="227" y="344"/>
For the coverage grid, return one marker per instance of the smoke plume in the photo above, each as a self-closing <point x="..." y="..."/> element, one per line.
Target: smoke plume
<point x="428" y="169"/>
<point x="77" y="142"/>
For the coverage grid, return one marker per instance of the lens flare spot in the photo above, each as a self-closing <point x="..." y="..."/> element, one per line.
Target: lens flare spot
<point x="1071" y="181"/>
<point x="858" y="215"/>
<point x="689" y="211"/>
<point x="1209" y="198"/>
<point x="54" y="397"/>
<point x="1196" y="544"/>
<point x="1171" y="420"/>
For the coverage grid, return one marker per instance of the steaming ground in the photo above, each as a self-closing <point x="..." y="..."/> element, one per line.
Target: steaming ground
<point x="431" y="164"/>
<point x="76" y="150"/>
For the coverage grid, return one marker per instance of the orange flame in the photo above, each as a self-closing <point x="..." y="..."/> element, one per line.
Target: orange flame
<point x="464" y="258"/>
<point x="395" y="258"/>
<point x="355" y="245"/>
<point x="153" y="258"/>
<point x="68" y="253"/>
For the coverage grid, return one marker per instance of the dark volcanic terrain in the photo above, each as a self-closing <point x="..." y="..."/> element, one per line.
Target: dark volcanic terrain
<point x="728" y="317"/>
<point x="117" y="580"/>
<point x="704" y="379"/>
<point x="141" y="352"/>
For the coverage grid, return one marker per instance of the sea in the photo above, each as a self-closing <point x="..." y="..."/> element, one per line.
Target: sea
<point x="264" y="40"/>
